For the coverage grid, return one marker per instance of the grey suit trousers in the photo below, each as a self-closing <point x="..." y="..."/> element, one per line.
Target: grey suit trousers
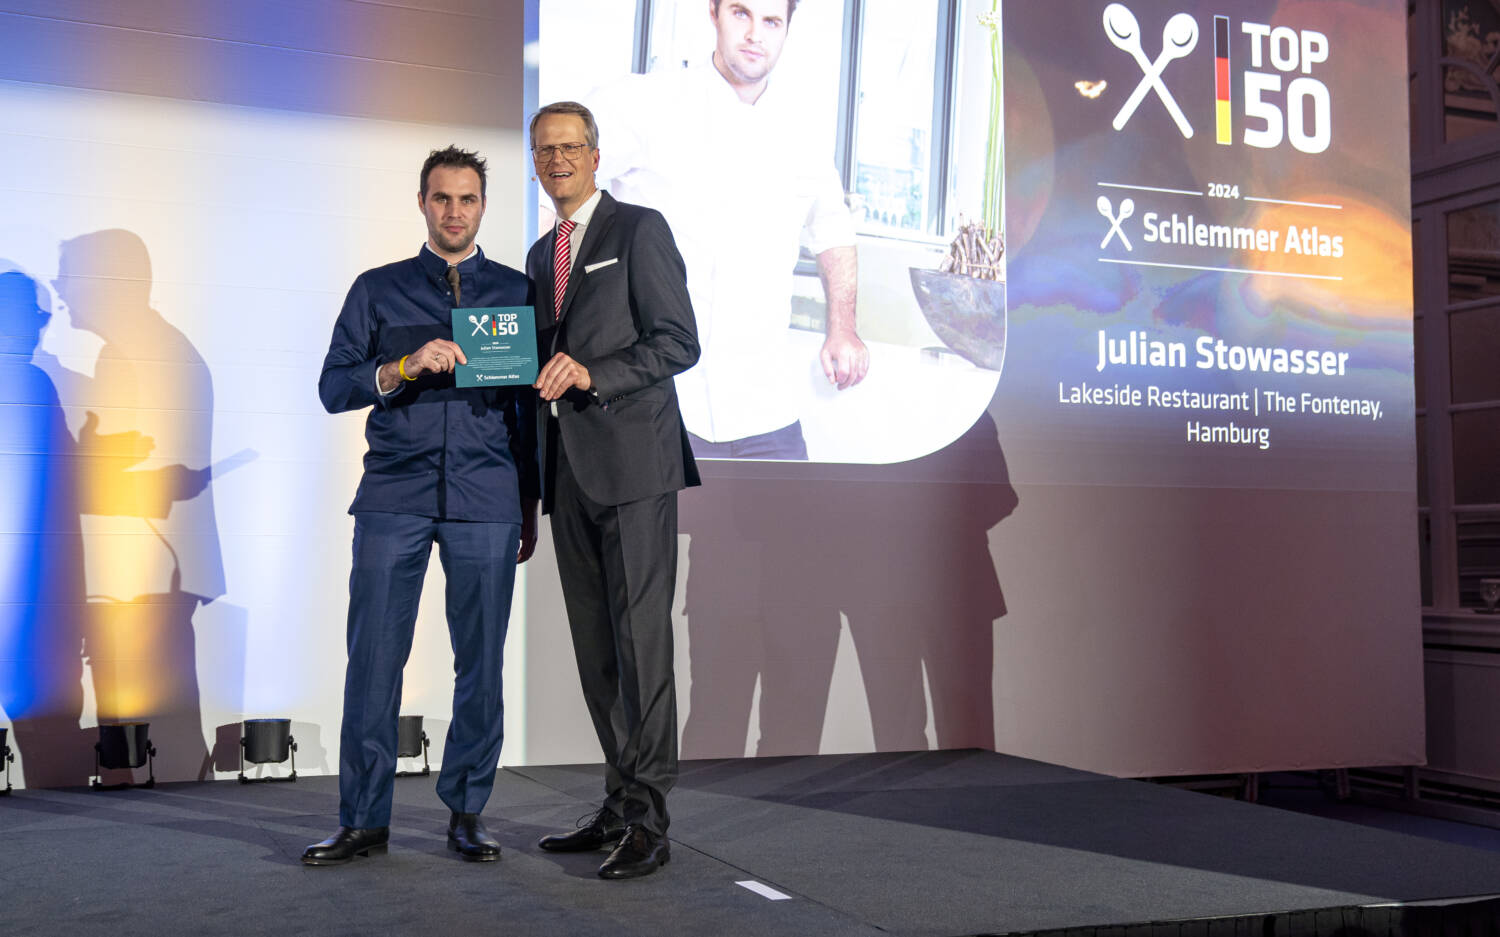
<point x="618" y="566"/>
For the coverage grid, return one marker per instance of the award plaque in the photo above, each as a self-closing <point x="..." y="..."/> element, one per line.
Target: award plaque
<point x="500" y="343"/>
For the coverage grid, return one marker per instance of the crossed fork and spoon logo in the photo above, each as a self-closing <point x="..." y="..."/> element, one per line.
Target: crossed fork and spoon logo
<point x="1127" y="208"/>
<point x="1178" y="38"/>
<point x="479" y="325"/>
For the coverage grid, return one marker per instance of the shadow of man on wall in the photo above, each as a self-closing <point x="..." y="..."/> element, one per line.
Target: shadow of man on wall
<point x="151" y="542"/>
<point x="41" y="592"/>
<point x="42" y="610"/>
<point x="922" y="598"/>
<point x="773" y="563"/>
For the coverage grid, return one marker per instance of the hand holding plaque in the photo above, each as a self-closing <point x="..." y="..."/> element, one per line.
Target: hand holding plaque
<point x="500" y="343"/>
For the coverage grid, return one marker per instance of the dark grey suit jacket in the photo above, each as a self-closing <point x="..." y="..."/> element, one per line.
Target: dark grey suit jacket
<point x="630" y="322"/>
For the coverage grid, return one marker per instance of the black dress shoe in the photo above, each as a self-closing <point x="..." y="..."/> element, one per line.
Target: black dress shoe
<point x="640" y="852"/>
<point x="468" y="837"/>
<point x="347" y="843"/>
<point x="601" y="829"/>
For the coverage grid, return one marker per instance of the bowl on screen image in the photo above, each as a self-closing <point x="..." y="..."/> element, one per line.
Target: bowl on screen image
<point x="966" y="312"/>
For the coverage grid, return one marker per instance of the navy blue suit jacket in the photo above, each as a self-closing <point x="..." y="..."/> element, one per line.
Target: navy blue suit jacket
<point x="435" y="450"/>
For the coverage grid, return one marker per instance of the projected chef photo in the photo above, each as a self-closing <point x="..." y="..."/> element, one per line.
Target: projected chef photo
<point x="845" y="254"/>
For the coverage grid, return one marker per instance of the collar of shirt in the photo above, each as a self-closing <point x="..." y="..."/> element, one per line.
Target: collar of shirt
<point x="438" y="267"/>
<point x="708" y="73"/>
<point x="580" y="221"/>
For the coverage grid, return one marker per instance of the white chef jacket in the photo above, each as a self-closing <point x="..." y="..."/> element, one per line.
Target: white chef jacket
<point x="743" y="187"/>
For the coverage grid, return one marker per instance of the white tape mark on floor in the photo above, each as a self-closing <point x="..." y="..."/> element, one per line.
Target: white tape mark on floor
<point x="765" y="891"/>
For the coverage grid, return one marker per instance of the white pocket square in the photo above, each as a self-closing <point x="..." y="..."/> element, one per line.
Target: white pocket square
<point x="590" y="268"/>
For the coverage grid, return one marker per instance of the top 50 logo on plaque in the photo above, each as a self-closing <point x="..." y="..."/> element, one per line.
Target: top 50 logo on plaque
<point x="1301" y="116"/>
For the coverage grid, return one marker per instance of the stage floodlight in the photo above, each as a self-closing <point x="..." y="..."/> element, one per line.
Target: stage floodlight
<point x="411" y="741"/>
<point x="265" y="742"/>
<point x="123" y="745"/>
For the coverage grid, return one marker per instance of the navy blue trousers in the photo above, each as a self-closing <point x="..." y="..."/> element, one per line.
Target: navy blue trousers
<point x="785" y="444"/>
<point x="390" y="561"/>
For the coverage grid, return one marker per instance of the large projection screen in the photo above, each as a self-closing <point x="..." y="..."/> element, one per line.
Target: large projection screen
<point x="1148" y="507"/>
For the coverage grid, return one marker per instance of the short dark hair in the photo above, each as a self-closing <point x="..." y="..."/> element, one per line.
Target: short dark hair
<point x="791" y="7"/>
<point x="590" y="128"/>
<point x="460" y="159"/>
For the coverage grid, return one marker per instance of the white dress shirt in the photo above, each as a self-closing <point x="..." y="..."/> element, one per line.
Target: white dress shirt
<point x="580" y="221"/>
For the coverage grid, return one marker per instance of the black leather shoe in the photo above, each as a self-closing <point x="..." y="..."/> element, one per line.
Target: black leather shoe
<point x="640" y="852"/>
<point x="468" y="837"/>
<point x="602" y="828"/>
<point x="347" y="843"/>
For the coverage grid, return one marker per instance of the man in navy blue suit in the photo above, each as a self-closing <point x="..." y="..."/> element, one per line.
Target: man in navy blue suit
<point x="446" y="465"/>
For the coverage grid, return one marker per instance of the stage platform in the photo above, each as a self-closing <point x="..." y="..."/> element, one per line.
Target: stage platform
<point x="937" y="844"/>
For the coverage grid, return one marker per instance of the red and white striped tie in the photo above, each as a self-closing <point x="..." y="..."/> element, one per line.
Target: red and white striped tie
<point x="562" y="261"/>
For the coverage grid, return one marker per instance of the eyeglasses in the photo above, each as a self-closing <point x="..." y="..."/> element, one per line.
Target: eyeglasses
<point x="569" y="151"/>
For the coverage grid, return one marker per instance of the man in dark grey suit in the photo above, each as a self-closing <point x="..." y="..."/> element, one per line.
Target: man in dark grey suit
<point x="615" y="317"/>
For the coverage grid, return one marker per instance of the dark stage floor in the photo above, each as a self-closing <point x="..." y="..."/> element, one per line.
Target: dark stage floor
<point x="934" y="843"/>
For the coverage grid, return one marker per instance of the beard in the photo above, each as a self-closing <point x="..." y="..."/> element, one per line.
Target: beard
<point x="452" y="244"/>
<point x="749" y="71"/>
<point x="749" y="74"/>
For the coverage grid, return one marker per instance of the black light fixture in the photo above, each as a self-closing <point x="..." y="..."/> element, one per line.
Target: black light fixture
<point x="265" y="742"/>
<point x="411" y="741"/>
<point x="6" y="757"/>
<point x="123" y="745"/>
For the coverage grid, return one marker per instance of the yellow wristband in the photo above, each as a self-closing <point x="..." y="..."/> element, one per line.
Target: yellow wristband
<point x="401" y="366"/>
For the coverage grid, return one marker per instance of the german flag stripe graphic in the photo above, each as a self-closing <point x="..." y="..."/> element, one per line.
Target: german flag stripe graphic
<point x="1222" y="120"/>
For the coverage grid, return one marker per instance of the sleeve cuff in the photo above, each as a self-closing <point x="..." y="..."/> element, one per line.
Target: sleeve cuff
<point x="384" y="393"/>
<point x="371" y="379"/>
